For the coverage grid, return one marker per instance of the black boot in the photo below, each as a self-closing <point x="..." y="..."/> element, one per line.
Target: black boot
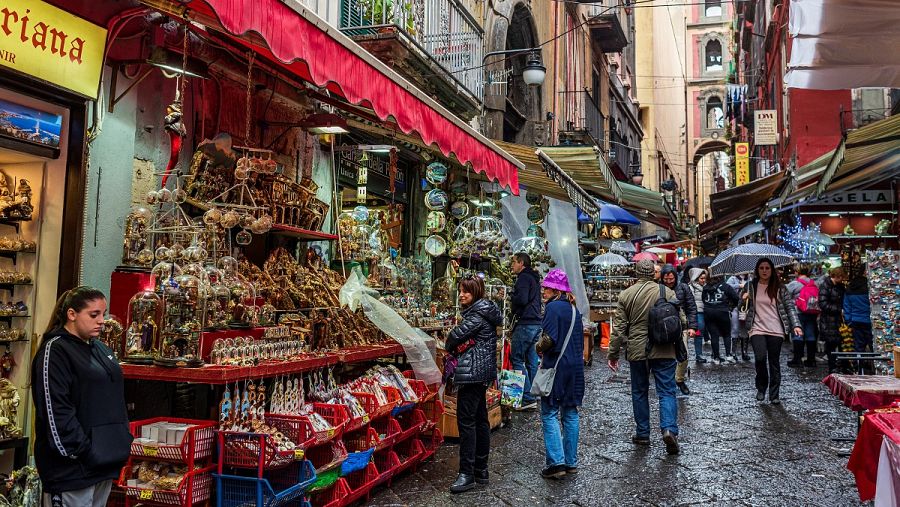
<point x="798" y="354"/>
<point x="481" y="469"/>
<point x="810" y="354"/>
<point x="464" y="482"/>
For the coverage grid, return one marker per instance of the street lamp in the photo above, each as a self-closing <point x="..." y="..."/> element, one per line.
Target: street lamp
<point x="534" y="72"/>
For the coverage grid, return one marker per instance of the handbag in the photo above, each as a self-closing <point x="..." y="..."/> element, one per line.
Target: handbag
<point x="742" y="310"/>
<point x="542" y="384"/>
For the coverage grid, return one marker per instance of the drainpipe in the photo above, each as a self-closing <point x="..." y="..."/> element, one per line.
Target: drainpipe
<point x="556" y="6"/>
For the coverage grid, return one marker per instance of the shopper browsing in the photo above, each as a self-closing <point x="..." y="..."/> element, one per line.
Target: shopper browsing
<point x="831" y="305"/>
<point x="526" y="308"/>
<point x="770" y="316"/>
<point x="81" y="427"/>
<point x="474" y="342"/>
<point x="563" y="349"/>
<point x="630" y="331"/>
<point x="689" y="309"/>
<point x="698" y="278"/>
<point x="719" y="299"/>
<point x="804" y="292"/>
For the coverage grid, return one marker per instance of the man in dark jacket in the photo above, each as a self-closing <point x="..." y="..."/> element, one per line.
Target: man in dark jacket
<point x="831" y="305"/>
<point x="689" y="309"/>
<point x="526" y="307"/>
<point x="857" y="314"/>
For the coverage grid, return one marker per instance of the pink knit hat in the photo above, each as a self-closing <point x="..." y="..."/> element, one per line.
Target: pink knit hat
<point x="557" y="279"/>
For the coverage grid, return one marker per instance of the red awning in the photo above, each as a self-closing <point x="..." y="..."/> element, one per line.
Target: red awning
<point x="320" y="54"/>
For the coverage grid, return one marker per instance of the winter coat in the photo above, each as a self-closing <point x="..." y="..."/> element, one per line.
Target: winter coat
<point x="81" y="425"/>
<point x="478" y="363"/>
<point x="685" y="299"/>
<point x="787" y="310"/>
<point x="831" y="304"/>
<point x="526" y="298"/>
<point x="568" y="384"/>
<point x="719" y="296"/>
<point x="630" y="323"/>
<point x="857" y="309"/>
<point x="696" y="288"/>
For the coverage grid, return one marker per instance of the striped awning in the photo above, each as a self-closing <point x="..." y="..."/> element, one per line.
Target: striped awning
<point x="866" y="155"/>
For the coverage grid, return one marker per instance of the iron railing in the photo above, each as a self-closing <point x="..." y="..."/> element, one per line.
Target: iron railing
<point x="442" y="28"/>
<point x="583" y="114"/>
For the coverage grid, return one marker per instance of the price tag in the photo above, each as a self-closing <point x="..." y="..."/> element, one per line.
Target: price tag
<point x="366" y="419"/>
<point x="151" y="451"/>
<point x="299" y="454"/>
<point x="330" y="433"/>
<point x="146" y="494"/>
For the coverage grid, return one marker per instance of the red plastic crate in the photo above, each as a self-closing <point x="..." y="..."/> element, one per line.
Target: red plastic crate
<point x="326" y="457"/>
<point x="337" y="415"/>
<point x="401" y="404"/>
<point x="431" y="441"/>
<point x="373" y="409"/>
<point x="409" y="453"/>
<point x="387" y="463"/>
<point x="361" y="483"/>
<point x="297" y="428"/>
<point x="253" y="450"/>
<point x="116" y="497"/>
<point x="433" y="410"/>
<point x="431" y="389"/>
<point x="333" y="496"/>
<point x="386" y="430"/>
<point x="197" y="443"/>
<point x="194" y="488"/>
<point x="411" y="423"/>
<point x="360" y="440"/>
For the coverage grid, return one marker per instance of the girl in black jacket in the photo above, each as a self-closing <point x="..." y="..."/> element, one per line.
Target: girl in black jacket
<point x="719" y="299"/>
<point x="474" y="340"/>
<point x="81" y="428"/>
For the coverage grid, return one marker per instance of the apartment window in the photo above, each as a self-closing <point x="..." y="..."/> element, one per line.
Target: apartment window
<point x="715" y="114"/>
<point x="712" y="9"/>
<point x="713" y="57"/>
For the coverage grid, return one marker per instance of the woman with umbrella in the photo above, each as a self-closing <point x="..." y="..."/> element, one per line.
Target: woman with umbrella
<point x="770" y="316"/>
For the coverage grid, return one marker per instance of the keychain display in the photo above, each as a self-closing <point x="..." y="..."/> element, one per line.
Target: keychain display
<point x="883" y="271"/>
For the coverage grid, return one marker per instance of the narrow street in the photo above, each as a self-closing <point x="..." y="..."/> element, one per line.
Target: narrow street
<point x="734" y="450"/>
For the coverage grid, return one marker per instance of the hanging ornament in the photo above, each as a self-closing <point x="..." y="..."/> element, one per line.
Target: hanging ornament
<point x="212" y="216"/>
<point x="152" y="197"/>
<point x="243" y="237"/>
<point x="392" y="171"/>
<point x="164" y="195"/>
<point x="436" y="173"/>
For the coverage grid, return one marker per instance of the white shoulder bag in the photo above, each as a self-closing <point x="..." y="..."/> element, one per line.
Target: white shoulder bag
<point x="542" y="384"/>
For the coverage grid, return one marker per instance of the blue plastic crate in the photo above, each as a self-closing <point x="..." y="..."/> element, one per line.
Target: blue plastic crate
<point x="279" y="487"/>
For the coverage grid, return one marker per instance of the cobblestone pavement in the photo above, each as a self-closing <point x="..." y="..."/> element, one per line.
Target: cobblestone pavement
<point x="734" y="450"/>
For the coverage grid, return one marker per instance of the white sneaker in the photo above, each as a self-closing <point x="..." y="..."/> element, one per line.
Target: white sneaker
<point x="716" y="361"/>
<point x="730" y="359"/>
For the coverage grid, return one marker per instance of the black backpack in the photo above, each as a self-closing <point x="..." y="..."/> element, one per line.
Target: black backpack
<point x="664" y="324"/>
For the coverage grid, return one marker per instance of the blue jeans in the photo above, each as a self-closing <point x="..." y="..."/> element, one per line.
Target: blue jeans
<point x="698" y="340"/>
<point x="524" y="357"/>
<point x="664" y="374"/>
<point x="809" y="327"/>
<point x="561" y="445"/>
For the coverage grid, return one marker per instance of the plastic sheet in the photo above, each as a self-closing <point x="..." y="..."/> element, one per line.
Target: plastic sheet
<point x="561" y="226"/>
<point x="414" y="341"/>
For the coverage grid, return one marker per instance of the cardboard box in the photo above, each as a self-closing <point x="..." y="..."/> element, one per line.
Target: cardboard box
<point x="448" y="426"/>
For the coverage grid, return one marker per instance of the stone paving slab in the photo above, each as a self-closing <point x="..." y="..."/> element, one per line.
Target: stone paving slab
<point x="735" y="451"/>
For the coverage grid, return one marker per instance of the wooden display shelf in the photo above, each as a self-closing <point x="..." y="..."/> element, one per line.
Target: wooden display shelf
<point x="218" y="375"/>
<point x="9" y="287"/>
<point x="296" y="232"/>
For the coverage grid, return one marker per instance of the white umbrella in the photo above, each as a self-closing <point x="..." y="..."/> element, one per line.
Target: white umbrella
<point x="745" y="231"/>
<point x="742" y="259"/>
<point x="659" y="250"/>
<point x="609" y="259"/>
<point x="618" y="246"/>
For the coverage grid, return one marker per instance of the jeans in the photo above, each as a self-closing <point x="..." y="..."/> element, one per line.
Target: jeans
<point x="524" y="358"/>
<point x="698" y="340"/>
<point x="718" y="324"/>
<point x="91" y="496"/>
<point x="474" y="429"/>
<point x="664" y="374"/>
<point x="767" y="359"/>
<point x="809" y="325"/>
<point x="561" y="445"/>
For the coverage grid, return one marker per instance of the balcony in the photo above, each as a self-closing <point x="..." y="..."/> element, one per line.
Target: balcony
<point x="606" y="28"/>
<point x="587" y="126"/>
<point x="423" y="39"/>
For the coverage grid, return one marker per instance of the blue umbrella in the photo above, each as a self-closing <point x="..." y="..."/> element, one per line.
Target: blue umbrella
<point x="612" y="214"/>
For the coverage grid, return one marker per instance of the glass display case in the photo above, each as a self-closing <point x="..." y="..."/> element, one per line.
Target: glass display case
<point x="142" y="327"/>
<point x="183" y="304"/>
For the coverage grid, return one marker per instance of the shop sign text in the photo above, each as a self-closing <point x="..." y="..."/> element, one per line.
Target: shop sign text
<point x="855" y="197"/>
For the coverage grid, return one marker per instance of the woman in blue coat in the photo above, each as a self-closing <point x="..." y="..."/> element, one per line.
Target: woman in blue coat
<point x="561" y="444"/>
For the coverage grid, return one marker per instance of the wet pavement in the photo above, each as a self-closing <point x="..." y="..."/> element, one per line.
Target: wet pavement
<point x="734" y="450"/>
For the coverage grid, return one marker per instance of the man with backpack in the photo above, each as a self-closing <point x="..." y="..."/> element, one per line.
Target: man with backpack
<point x="647" y="325"/>
<point x="805" y="293"/>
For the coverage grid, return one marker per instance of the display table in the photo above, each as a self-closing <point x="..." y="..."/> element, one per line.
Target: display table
<point x="864" y="392"/>
<point x="875" y="461"/>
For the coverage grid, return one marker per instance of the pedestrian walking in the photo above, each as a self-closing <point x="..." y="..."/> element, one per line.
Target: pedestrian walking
<point x="698" y="277"/>
<point x="831" y="306"/>
<point x="689" y="309"/>
<point x="81" y="435"/>
<point x="719" y="299"/>
<point x="526" y="309"/>
<point x="563" y="347"/>
<point x="770" y="316"/>
<point x="804" y="292"/>
<point x="630" y="330"/>
<point x="738" y="333"/>
<point x="857" y="313"/>
<point x="474" y="341"/>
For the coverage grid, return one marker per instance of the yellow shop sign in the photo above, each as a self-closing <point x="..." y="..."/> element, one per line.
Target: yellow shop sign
<point x="48" y="43"/>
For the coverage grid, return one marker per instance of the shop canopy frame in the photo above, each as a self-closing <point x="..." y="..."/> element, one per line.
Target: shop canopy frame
<point x="298" y="41"/>
<point x="864" y="156"/>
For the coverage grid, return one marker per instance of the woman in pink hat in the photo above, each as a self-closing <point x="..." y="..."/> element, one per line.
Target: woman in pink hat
<point x="565" y="349"/>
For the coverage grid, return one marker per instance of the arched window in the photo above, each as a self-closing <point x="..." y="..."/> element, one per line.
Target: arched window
<point x="715" y="114"/>
<point x="713" y="61"/>
<point x="713" y="9"/>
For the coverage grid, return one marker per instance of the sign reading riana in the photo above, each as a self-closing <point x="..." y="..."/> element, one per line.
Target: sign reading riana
<point x="48" y="43"/>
